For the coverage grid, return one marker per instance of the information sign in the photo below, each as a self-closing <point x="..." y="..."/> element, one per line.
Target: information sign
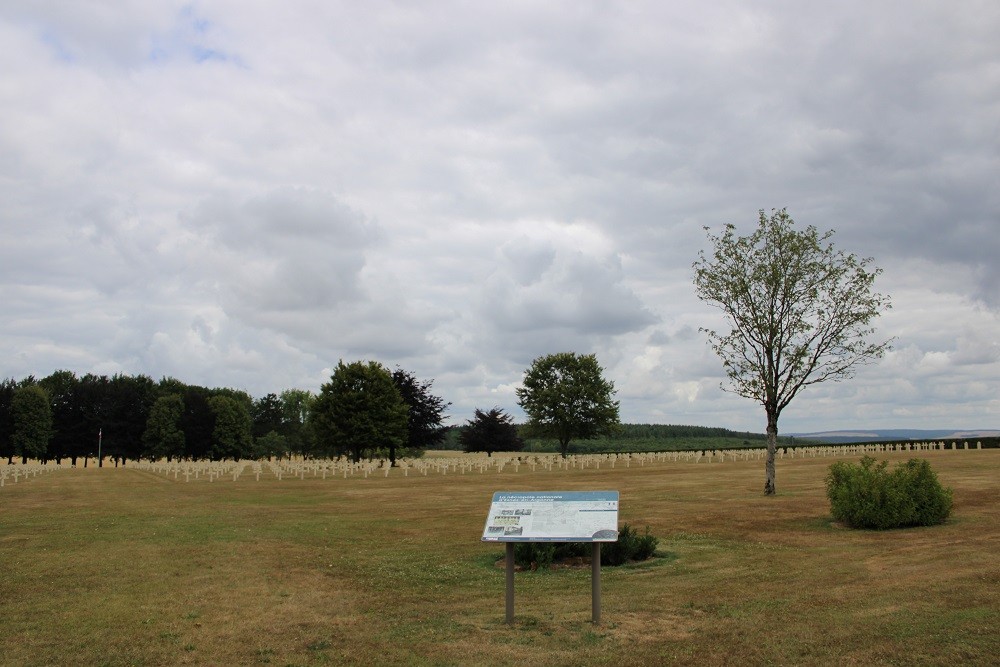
<point x="552" y="516"/>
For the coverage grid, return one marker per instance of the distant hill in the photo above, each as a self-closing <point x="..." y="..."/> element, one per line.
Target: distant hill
<point x="870" y="435"/>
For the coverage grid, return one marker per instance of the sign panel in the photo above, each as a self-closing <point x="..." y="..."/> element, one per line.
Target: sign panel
<point x="552" y="516"/>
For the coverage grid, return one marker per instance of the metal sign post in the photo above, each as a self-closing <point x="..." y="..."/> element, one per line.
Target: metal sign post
<point x="595" y="584"/>
<point x="553" y="516"/>
<point x="509" y="567"/>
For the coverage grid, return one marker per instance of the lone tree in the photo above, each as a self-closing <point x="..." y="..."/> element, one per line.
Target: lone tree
<point x="566" y="397"/>
<point x="359" y="411"/>
<point x="800" y="311"/>
<point x="489" y="432"/>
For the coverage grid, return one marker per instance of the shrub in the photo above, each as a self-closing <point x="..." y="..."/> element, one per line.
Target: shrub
<point x="645" y="546"/>
<point x="867" y="495"/>
<point x="540" y="553"/>
<point x="630" y="546"/>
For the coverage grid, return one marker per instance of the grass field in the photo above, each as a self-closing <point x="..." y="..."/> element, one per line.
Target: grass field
<point x="128" y="567"/>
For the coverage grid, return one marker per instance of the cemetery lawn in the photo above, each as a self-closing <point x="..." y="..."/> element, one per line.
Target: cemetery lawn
<point x="128" y="567"/>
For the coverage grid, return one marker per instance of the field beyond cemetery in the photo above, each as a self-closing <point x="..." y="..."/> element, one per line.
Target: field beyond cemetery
<point x="132" y="567"/>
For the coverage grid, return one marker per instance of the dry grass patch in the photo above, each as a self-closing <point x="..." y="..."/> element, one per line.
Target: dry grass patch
<point x="122" y="567"/>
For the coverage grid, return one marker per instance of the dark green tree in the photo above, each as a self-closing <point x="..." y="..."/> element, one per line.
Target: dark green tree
<point x="800" y="311"/>
<point x="7" y="389"/>
<point x="92" y="426"/>
<point x="296" y="405"/>
<point x="270" y="445"/>
<point x="198" y="422"/>
<point x="129" y="400"/>
<point x="268" y="418"/>
<point x="268" y="414"/>
<point x="231" y="434"/>
<point x="565" y="396"/>
<point x="32" y="416"/>
<point x="163" y="437"/>
<point x="70" y="434"/>
<point x="424" y="426"/>
<point x="489" y="432"/>
<point x="359" y="411"/>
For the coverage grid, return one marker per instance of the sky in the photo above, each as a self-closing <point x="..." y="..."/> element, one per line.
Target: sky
<point x="239" y="193"/>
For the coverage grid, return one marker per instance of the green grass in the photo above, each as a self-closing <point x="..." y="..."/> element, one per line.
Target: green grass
<point x="122" y="567"/>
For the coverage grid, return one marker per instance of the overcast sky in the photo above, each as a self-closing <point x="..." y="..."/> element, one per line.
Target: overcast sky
<point x="240" y="193"/>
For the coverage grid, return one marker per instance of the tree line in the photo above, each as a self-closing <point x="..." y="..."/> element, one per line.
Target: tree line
<point x="65" y="416"/>
<point x="364" y="411"/>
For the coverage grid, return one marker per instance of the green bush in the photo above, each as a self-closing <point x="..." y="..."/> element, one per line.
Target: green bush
<point x="868" y="495"/>
<point x="630" y="546"/>
<point x="539" y="553"/>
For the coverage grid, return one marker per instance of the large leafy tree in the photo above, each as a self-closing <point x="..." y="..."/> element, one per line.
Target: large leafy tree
<point x="163" y="436"/>
<point x="231" y="433"/>
<point x="489" y="432"/>
<point x="359" y="411"/>
<point x="424" y="426"/>
<point x="566" y="397"/>
<point x="801" y="313"/>
<point x="32" y="417"/>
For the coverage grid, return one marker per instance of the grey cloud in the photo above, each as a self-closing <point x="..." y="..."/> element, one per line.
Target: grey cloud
<point x="242" y="193"/>
<point x="289" y="250"/>
<point x="528" y="260"/>
<point x="576" y="293"/>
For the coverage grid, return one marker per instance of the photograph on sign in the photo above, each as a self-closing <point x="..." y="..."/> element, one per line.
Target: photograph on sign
<point x="552" y="516"/>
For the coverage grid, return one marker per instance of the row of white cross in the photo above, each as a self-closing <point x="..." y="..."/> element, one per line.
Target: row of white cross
<point x="507" y="462"/>
<point x="17" y="471"/>
<point x="501" y="462"/>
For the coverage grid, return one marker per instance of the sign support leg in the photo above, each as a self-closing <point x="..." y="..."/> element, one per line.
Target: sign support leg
<point x="510" y="581"/>
<point x="595" y="583"/>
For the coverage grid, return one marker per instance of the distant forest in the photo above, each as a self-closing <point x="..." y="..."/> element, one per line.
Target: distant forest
<point x="650" y="438"/>
<point x="667" y="431"/>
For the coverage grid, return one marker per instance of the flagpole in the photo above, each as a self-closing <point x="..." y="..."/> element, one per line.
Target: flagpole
<point x="100" y="462"/>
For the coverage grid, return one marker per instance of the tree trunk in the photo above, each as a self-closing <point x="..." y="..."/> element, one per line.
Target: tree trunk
<point x="772" y="446"/>
<point x="564" y="446"/>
